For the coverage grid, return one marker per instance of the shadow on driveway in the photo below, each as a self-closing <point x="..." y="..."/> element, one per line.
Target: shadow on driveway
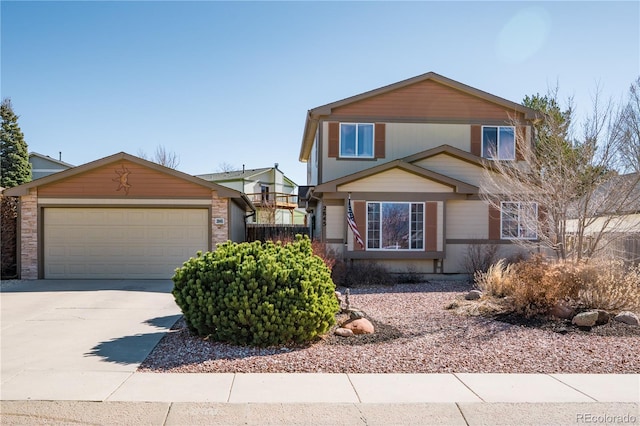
<point x="133" y="349"/>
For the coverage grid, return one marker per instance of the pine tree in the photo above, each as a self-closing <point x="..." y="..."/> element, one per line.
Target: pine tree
<point x="14" y="155"/>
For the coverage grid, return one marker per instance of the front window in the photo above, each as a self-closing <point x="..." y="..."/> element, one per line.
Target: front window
<point x="499" y="142"/>
<point x="395" y="226"/>
<point x="356" y="140"/>
<point x="519" y="220"/>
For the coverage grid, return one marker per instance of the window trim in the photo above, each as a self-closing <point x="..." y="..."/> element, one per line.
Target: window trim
<point x="498" y="158"/>
<point x="388" y="250"/>
<point x="520" y="227"/>
<point x="355" y="155"/>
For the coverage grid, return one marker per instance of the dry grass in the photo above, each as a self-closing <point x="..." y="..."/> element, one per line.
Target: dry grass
<point x="535" y="286"/>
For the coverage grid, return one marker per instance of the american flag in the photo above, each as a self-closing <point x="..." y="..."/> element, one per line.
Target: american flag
<point x="351" y="220"/>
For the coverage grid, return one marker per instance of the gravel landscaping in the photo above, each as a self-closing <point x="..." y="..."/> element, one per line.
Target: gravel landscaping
<point x="416" y="334"/>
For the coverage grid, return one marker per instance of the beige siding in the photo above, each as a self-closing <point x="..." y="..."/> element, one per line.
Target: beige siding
<point x="405" y="139"/>
<point x="335" y="222"/>
<point x="453" y="167"/>
<point x="394" y="180"/>
<point x="457" y="255"/>
<point x="402" y="139"/>
<point x="467" y="219"/>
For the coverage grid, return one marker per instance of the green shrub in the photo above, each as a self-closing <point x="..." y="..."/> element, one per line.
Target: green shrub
<point x="257" y="294"/>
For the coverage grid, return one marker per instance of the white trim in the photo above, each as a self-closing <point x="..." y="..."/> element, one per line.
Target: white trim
<point x="519" y="203"/>
<point x="122" y="201"/>
<point x="410" y="203"/>
<point x="515" y="142"/>
<point x="355" y="155"/>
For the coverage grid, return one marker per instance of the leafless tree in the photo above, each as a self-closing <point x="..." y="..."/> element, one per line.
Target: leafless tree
<point x="574" y="196"/>
<point x="629" y="129"/>
<point x="163" y="157"/>
<point x="226" y="167"/>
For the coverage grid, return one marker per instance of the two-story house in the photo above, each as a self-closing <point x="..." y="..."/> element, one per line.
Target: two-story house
<point x="269" y="189"/>
<point x="411" y="157"/>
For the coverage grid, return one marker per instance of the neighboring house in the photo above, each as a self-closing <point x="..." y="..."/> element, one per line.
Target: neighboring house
<point x="271" y="192"/>
<point x="122" y="217"/>
<point x="43" y="165"/>
<point x="411" y="156"/>
<point x="610" y="218"/>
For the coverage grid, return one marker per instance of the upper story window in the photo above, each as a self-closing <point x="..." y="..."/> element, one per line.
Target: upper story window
<point x="356" y="140"/>
<point x="518" y="220"/>
<point x="499" y="142"/>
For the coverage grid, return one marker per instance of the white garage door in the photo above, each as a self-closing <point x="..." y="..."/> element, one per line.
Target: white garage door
<point x="139" y="243"/>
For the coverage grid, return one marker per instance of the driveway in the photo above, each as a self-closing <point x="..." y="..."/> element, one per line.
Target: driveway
<point x="61" y="333"/>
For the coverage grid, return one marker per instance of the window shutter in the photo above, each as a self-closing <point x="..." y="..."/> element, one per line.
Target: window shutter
<point x="360" y="215"/>
<point x="380" y="132"/>
<point x="521" y="139"/>
<point x="334" y="139"/>
<point x="476" y="140"/>
<point x="431" y="226"/>
<point x="494" y="223"/>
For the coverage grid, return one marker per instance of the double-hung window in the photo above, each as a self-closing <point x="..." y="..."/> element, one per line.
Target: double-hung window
<point x="395" y="226"/>
<point x="356" y="140"/>
<point x="499" y="142"/>
<point x="518" y="220"/>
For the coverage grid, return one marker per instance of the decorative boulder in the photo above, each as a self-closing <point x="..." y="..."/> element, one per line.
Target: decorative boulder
<point x="355" y="314"/>
<point x="585" y="319"/>
<point x="562" y="311"/>
<point x="343" y="332"/>
<point x="627" y="318"/>
<point x="603" y="317"/>
<point x="360" y="326"/>
<point x="473" y="295"/>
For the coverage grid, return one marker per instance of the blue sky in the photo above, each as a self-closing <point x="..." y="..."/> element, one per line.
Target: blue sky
<point x="231" y="82"/>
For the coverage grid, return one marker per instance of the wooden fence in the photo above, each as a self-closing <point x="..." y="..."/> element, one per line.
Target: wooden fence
<point x="266" y="232"/>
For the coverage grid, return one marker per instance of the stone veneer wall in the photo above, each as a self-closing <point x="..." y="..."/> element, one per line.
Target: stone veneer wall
<point x="219" y="208"/>
<point x="29" y="235"/>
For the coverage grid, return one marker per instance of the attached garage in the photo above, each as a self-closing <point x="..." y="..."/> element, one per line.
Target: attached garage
<point x="121" y="242"/>
<point x="88" y="222"/>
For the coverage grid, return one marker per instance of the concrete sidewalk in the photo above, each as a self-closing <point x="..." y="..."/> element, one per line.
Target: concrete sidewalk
<point x="350" y="399"/>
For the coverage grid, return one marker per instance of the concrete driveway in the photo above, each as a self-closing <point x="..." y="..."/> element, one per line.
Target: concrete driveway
<point x="67" y="333"/>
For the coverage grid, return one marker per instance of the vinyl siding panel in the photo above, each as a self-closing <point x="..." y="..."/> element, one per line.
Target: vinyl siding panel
<point x="335" y="222"/>
<point x="405" y="139"/>
<point x="425" y="99"/>
<point x="394" y="180"/>
<point x="453" y="167"/>
<point x="467" y="219"/>
<point x="103" y="182"/>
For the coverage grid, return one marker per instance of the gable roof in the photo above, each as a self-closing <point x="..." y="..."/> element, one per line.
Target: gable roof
<point x="50" y="159"/>
<point x="240" y="174"/>
<point x="222" y="191"/>
<point x="451" y="151"/>
<point x="457" y="185"/>
<point x="233" y="174"/>
<point x="316" y="114"/>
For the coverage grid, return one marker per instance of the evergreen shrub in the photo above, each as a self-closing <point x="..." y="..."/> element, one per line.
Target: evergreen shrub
<point x="257" y="294"/>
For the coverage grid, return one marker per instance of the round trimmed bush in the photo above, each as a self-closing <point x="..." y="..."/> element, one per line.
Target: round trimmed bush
<point x="257" y="294"/>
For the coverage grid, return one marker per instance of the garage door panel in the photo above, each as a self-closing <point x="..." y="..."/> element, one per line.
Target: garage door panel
<point x="121" y="242"/>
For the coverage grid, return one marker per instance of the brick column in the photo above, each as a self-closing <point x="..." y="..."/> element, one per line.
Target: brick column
<point x="29" y="235"/>
<point x="219" y="209"/>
